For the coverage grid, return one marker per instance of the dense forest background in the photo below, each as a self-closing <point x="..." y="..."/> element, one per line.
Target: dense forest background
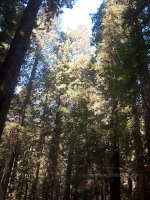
<point x="74" y="109"/>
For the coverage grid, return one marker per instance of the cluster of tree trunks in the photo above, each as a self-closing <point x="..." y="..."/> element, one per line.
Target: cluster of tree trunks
<point x="15" y="135"/>
<point x="9" y="70"/>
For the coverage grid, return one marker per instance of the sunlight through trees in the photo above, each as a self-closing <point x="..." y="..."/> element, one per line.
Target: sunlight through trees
<point x="74" y="108"/>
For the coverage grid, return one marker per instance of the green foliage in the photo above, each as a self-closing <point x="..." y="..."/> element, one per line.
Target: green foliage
<point x="98" y="95"/>
<point x="10" y="13"/>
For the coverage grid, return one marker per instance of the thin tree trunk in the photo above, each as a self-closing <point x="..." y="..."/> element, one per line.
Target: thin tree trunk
<point x="130" y="186"/>
<point x="36" y="174"/>
<point x="142" y="188"/>
<point x="34" y="183"/>
<point x="96" y="187"/>
<point x="12" y="154"/>
<point x="9" y="164"/>
<point x="13" y="175"/>
<point x="77" y="181"/>
<point x="68" y="176"/>
<point x="102" y="192"/>
<point x="40" y="149"/>
<point x="49" y="183"/>
<point x="142" y="60"/>
<point x="115" y="161"/>
<point x="26" y="192"/>
<point x="146" y="111"/>
<point x="75" y="194"/>
<point x="9" y="70"/>
<point x="29" y="88"/>
<point x="106" y="189"/>
<point x="145" y="91"/>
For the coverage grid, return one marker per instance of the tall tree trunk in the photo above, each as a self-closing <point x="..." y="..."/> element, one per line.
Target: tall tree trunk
<point x="96" y="186"/>
<point x="138" y="60"/>
<point x="106" y="189"/>
<point x="9" y="70"/>
<point x="40" y="149"/>
<point x="29" y="88"/>
<point x="77" y="180"/>
<point x="115" y="161"/>
<point x="34" y="182"/>
<point x="49" y="183"/>
<point x="145" y="88"/>
<point x="146" y="112"/>
<point x="15" y="137"/>
<point x="13" y="175"/>
<point x="26" y="192"/>
<point x="76" y="185"/>
<point x="142" y="61"/>
<point x="130" y="186"/>
<point x="142" y="188"/>
<point x="9" y="164"/>
<point x="68" y="176"/>
<point x="102" y="191"/>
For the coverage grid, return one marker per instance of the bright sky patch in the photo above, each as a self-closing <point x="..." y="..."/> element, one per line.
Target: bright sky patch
<point x="79" y="14"/>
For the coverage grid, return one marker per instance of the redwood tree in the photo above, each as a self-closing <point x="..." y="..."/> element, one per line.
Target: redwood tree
<point x="9" y="70"/>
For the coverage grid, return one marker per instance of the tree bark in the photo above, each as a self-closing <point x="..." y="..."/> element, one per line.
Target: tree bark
<point x="143" y="65"/>
<point x="29" y="88"/>
<point x="115" y="161"/>
<point x="35" y="181"/>
<point x="26" y="191"/>
<point x="142" y="188"/>
<point x="146" y="111"/>
<point x="13" y="149"/>
<point x="76" y="185"/>
<point x="130" y="186"/>
<point x="9" y="70"/>
<point x="12" y="178"/>
<point x="49" y="183"/>
<point x="138" y="60"/>
<point x="68" y="176"/>
<point x="40" y="149"/>
<point x="9" y="164"/>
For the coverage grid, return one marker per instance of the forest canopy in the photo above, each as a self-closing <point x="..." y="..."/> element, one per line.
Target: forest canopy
<point x="74" y="108"/>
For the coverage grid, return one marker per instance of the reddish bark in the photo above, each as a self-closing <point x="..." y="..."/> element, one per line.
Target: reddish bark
<point x="35" y="182"/>
<point x="29" y="89"/>
<point x="40" y="149"/>
<point x="146" y="110"/>
<point x="9" y="71"/>
<point x="68" y="176"/>
<point x="9" y="163"/>
<point x="49" y="183"/>
<point x="115" y="179"/>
